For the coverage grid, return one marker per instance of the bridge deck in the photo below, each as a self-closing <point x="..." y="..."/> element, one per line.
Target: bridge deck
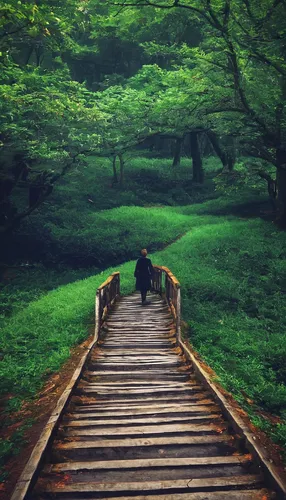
<point x="140" y="426"/>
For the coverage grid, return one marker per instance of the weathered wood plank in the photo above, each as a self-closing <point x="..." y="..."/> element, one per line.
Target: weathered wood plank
<point x="252" y="494"/>
<point x="144" y="429"/>
<point x="77" y="421"/>
<point x="140" y="384"/>
<point x="184" y="484"/>
<point x="147" y="441"/>
<point x="139" y="410"/>
<point x="147" y="463"/>
<point x="128" y="392"/>
<point x="165" y="397"/>
<point x="150" y="373"/>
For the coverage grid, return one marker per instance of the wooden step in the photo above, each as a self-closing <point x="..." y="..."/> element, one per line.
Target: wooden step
<point x="139" y="411"/>
<point x="85" y="422"/>
<point x="149" y="441"/>
<point x="147" y="463"/>
<point x="92" y="430"/>
<point x="159" y="486"/>
<point x="252" y="494"/>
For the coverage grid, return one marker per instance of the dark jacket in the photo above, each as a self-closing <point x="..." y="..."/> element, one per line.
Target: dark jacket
<point x="144" y="272"/>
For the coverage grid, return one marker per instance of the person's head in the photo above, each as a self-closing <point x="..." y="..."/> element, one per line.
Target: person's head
<point x="144" y="252"/>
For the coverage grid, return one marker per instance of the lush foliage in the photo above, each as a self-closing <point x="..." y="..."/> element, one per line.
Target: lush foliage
<point x="233" y="281"/>
<point x="225" y="78"/>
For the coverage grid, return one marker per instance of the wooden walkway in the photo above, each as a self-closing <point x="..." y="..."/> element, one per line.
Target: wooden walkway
<point x="139" y="425"/>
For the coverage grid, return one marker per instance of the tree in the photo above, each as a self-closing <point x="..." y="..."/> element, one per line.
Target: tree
<point x="127" y="124"/>
<point x="47" y="123"/>
<point x="243" y="45"/>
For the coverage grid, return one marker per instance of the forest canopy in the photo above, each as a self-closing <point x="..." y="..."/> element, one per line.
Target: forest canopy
<point x="96" y="77"/>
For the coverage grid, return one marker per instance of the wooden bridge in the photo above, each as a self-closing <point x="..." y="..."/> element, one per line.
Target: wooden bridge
<point x="141" y="419"/>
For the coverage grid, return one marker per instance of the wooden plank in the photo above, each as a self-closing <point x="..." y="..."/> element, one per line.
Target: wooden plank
<point x="137" y="373"/>
<point x="140" y="326"/>
<point x="141" y="404"/>
<point x="139" y="410"/>
<point x="164" y="323"/>
<point x="137" y="352"/>
<point x="147" y="441"/>
<point x="139" y="357"/>
<point x="84" y="422"/>
<point x="252" y="494"/>
<point x="140" y="384"/>
<point x="140" y="329"/>
<point x="147" y="463"/>
<point x="143" y="429"/>
<point x="132" y="343"/>
<point x="149" y="411"/>
<point x="169" y="398"/>
<point x="130" y="386"/>
<point x="146" y="335"/>
<point x="140" y="315"/>
<point x="136" y="359"/>
<point x="152" y="371"/>
<point x="136" y="383"/>
<point x="127" y="392"/>
<point x="184" y="484"/>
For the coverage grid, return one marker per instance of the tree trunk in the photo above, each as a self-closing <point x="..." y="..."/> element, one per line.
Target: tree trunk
<point x="121" y="176"/>
<point x="230" y="162"/>
<point x="227" y="159"/>
<point x="115" y="177"/>
<point x="177" y="153"/>
<point x="198" y="171"/>
<point x="30" y="52"/>
<point x="281" y="196"/>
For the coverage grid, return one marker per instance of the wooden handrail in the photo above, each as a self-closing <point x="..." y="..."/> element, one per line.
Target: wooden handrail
<point x="172" y="292"/>
<point x="106" y="295"/>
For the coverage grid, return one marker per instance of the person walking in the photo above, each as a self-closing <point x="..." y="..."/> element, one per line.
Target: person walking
<point x="144" y="272"/>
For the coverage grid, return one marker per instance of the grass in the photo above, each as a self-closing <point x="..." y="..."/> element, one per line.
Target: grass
<point x="232" y="272"/>
<point x="232" y="282"/>
<point x="23" y="284"/>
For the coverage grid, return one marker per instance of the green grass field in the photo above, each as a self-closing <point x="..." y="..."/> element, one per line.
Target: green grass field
<point x="233" y="276"/>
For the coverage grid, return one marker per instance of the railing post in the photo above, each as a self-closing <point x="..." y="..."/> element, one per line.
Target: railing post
<point x="105" y="296"/>
<point x="160" y="282"/>
<point x="167" y="291"/>
<point x="97" y="314"/>
<point x="118" y="285"/>
<point x="178" y="318"/>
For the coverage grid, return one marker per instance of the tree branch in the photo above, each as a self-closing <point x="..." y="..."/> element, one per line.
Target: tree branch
<point x="176" y="3"/>
<point x="7" y="33"/>
<point x="225" y="110"/>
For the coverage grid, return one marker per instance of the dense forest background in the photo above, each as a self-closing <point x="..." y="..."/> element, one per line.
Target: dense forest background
<point x="157" y="124"/>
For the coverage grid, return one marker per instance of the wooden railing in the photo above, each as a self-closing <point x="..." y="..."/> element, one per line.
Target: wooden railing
<point x="166" y="284"/>
<point x="105" y="297"/>
<point x="163" y="282"/>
